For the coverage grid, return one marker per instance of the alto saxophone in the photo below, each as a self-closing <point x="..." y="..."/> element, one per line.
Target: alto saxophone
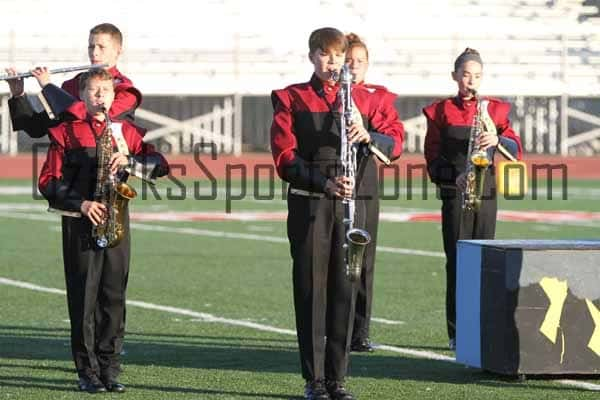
<point x="356" y="239"/>
<point x="478" y="161"/>
<point x="111" y="192"/>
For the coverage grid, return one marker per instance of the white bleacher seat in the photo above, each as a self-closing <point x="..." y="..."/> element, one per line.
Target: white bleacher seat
<point x="238" y="44"/>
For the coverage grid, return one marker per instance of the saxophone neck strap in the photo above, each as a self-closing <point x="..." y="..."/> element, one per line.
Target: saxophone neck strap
<point x="486" y="120"/>
<point x="117" y="133"/>
<point x="489" y="126"/>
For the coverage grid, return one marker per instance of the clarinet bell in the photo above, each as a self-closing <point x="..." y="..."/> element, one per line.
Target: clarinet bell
<point x="357" y="240"/>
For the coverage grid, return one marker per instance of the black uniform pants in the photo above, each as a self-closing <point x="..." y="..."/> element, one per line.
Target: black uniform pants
<point x="364" y="294"/>
<point x="323" y="294"/>
<point x="463" y="225"/>
<point x="96" y="282"/>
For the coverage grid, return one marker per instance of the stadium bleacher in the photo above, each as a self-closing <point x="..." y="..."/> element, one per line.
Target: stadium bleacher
<point x="531" y="48"/>
<point x="543" y="47"/>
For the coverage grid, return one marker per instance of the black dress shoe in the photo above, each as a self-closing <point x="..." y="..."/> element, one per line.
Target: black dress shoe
<point x="337" y="391"/>
<point x="114" y="386"/>
<point x="91" y="384"/>
<point x="452" y="344"/>
<point x="362" y="346"/>
<point x="316" y="390"/>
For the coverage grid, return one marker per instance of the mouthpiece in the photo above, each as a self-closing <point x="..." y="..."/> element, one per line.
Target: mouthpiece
<point x="346" y="76"/>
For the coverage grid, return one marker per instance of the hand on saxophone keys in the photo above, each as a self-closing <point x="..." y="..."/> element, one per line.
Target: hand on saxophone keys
<point x="94" y="211"/>
<point x="340" y="187"/>
<point x="358" y="134"/>
<point x="486" y="140"/>
<point x="118" y="161"/>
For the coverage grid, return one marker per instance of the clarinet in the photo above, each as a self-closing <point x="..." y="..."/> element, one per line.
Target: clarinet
<point x="356" y="239"/>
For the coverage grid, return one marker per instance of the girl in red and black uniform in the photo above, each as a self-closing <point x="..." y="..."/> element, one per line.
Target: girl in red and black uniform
<point x="449" y="124"/>
<point x="104" y="47"/>
<point x="306" y="149"/>
<point x="357" y="57"/>
<point x="96" y="278"/>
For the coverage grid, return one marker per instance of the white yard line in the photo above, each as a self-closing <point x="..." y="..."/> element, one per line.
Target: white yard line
<point x="212" y="233"/>
<point x="267" y="328"/>
<point x="209" y="317"/>
<point x="411" y="252"/>
<point x="207" y="232"/>
<point x="430" y="355"/>
<point x="580" y="384"/>
<point x="387" y="321"/>
<point x="29" y="216"/>
<point x="156" y="307"/>
<point x="212" y="318"/>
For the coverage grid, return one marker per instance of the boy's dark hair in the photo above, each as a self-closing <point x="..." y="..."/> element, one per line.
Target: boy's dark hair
<point x="327" y="38"/>
<point x="110" y="29"/>
<point x="96" y="73"/>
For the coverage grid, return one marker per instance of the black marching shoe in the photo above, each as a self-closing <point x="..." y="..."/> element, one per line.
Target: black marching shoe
<point x="452" y="344"/>
<point x="362" y="346"/>
<point x="91" y="385"/>
<point x="337" y="391"/>
<point x="114" y="386"/>
<point x="316" y="390"/>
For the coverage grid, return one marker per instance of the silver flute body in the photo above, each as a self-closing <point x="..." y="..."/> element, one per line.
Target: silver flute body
<point x="8" y="77"/>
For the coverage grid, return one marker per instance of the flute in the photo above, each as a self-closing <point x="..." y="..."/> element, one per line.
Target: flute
<point x="53" y="71"/>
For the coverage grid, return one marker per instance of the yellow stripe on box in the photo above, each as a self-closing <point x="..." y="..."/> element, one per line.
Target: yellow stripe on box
<point x="511" y="179"/>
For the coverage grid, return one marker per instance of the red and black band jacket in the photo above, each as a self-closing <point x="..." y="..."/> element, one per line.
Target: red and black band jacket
<point x="68" y="176"/>
<point x="449" y="124"/>
<point x="305" y="134"/>
<point x="35" y="124"/>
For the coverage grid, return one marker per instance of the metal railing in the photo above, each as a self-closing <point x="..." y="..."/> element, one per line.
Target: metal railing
<point x="538" y="120"/>
<point x="221" y="126"/>
<point x="218" y="126"/>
